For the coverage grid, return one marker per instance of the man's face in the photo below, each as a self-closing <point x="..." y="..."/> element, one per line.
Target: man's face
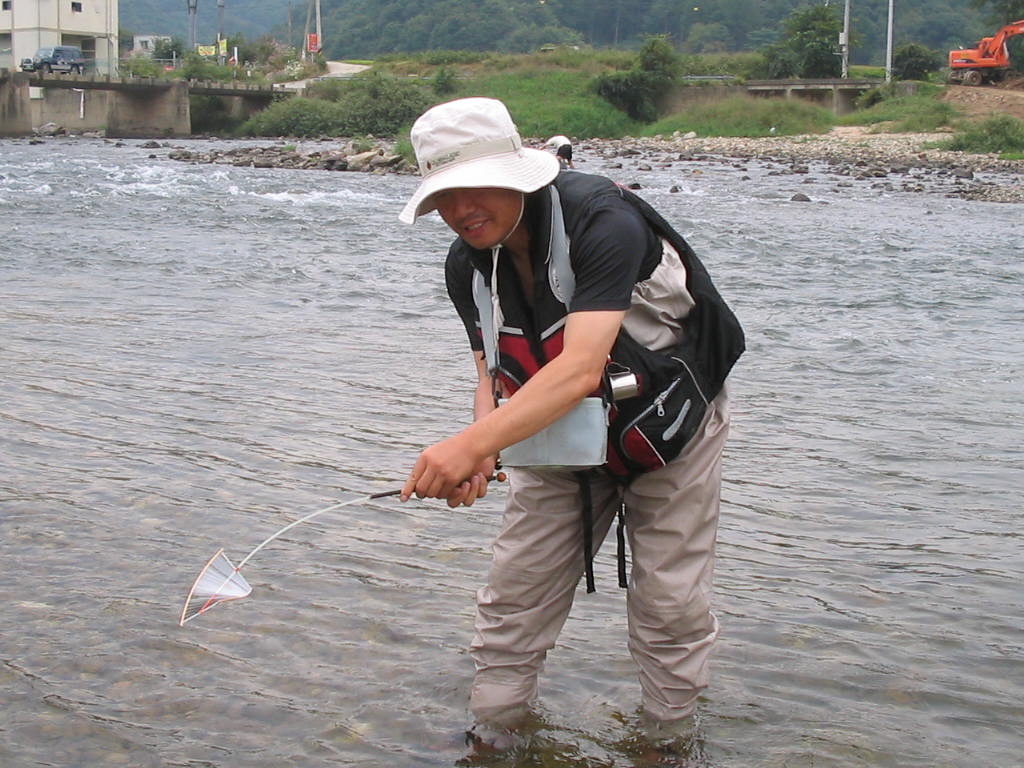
<point x="482" y="217"/>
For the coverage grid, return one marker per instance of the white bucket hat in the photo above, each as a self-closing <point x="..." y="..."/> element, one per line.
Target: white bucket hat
<point x="472" y="143"/>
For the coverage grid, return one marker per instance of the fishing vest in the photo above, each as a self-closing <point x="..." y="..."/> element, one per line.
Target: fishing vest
<point x="676" y="385"/>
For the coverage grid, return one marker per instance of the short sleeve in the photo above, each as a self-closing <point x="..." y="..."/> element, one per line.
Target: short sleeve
<point x="609" y="254"/>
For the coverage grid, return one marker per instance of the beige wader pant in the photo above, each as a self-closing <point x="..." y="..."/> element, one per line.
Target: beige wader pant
<point x="671" y="523"/>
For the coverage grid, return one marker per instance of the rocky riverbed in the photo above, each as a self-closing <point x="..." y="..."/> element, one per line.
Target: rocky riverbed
<point x="908" y="162"/>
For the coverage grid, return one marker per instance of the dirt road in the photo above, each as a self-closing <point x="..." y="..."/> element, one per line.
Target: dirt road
<point x="988" y="100"/>
<point x="334" y="69"/>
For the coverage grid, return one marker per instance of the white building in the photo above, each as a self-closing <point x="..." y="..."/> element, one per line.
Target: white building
<point x="27" y="25"/>
<point x="144" y="45"/>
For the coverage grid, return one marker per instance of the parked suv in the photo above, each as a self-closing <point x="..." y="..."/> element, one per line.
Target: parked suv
<point x="59" y="58"/>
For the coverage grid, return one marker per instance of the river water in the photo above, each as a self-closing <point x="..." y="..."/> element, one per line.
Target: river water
<point x="192" y="356"/>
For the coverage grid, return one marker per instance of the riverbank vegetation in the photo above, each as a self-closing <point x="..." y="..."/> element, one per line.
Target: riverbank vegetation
<point x="899" y="109"/>
<point x="1000" y="134"/>
<point x="561" y="94"/>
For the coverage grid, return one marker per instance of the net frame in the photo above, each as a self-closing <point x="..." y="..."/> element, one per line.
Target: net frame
<point x="230" y="585"/>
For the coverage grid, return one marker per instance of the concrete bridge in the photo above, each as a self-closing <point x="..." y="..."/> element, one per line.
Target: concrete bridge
<point x="130" y="107"/>
<point x="838" y="94"/>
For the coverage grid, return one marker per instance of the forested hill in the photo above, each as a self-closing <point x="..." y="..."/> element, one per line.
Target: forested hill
<point x="367" y="28"/>
<point x="251" y="18"/>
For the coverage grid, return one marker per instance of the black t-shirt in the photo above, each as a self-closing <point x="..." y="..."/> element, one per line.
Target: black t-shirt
<point x="614" y="250"/>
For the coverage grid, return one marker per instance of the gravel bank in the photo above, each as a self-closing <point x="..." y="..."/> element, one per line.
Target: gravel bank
<point x="903" y="159"/>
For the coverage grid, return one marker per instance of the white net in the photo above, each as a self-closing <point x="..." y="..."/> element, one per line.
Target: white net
<point x="218" y="582"/>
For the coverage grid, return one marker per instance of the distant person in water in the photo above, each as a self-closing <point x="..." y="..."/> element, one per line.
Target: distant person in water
<point x="563" y="151"/>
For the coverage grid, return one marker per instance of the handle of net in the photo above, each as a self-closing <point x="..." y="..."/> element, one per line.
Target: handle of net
<point x="498" y="477"/>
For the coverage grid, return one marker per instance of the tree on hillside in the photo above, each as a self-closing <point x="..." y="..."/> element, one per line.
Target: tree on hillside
<point x="807" y="47"/>
<point x="366" y="28"/>
<point x="1002" y="11"/>
<point x="708" y="38"/>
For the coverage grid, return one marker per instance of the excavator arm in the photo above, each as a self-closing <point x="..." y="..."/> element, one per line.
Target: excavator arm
<point x="997" y="46"/>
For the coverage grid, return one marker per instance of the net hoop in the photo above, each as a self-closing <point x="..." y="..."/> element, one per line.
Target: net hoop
<point x="219" y="581"/>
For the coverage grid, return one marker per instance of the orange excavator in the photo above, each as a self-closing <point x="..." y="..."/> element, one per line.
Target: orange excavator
<point x="988" y="62"/>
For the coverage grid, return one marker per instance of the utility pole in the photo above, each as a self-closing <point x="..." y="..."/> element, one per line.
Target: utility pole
<point x="220" y="31"/>
<point x="844" y="40"/>
<point x="305" y="34"/>
<point x="888" y="45"/>
<point x="192" y="7"/>
<point x="319" y="29"/>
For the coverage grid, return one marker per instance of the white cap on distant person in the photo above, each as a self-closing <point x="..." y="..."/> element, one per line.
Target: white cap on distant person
<point x="472" y="143"/>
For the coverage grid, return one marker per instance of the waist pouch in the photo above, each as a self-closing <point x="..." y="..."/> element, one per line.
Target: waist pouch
<point x="578" y="440"/>
<point x="650" y="429"/>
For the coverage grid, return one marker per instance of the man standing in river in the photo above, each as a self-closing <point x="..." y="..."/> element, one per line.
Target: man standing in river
<point x="572" y="288"/>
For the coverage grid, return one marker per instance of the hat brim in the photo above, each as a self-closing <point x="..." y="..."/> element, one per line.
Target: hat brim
<point x="525" y="170"/>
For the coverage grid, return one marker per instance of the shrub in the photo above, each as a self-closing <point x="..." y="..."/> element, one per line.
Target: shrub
<point x="140" y="66"/>
<point x="640" y="91"/>
<point x="445" y="83"/>
<point x="1001" y="133"/>
<point x="913" y="62"/>
<point x="296" y="117"/>
<point x="374" y="104"/>
<point x="379" y="104"/>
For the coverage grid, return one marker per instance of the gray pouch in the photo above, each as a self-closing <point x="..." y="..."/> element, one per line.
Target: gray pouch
<point x="576" y="441"/>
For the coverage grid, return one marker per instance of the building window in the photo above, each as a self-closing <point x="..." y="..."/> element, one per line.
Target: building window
<point x="6" y="5"/>
<point x="76" y="7"/>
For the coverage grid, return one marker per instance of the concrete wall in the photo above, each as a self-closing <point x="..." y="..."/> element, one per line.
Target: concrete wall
<point x="124" y="113"/>
<point x="144" y="114"/>
<point x="687" y="96"/>
<point x="15" y="109"/>
<point x="75" y="111"/>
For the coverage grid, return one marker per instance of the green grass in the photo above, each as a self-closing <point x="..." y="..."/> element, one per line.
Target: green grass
<point x="544" y="102"/>
<point x="1001" y="134"/>
<point x="746" y="116"/>
<point x="921" y="112"/>
<point x="858" y="71"/>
